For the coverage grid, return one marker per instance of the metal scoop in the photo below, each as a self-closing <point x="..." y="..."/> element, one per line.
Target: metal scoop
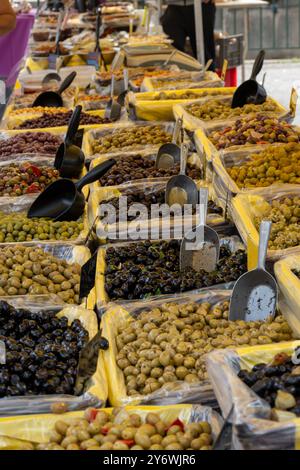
<point x="181" y="189"/>
<point x="51" y="77"/>
<point x="52" y="98"/>
<point x="200" y="248"/>
<point x="254" y="295"/>
<point x="63" y="199"/>
<point x="69" y="159"/>
<point x="113" y="108"/>
<point x="166" y="63"/>
<point x="169" y="154"/>
<point x="122" y="96"/>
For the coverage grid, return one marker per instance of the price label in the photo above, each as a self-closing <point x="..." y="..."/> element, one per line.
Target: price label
<point x="224" y="70"/>
<point x="293" y="102"/>
<point x="52" y="61"/>
<point x="2" y="353"/>
<point x="93" y="59"/>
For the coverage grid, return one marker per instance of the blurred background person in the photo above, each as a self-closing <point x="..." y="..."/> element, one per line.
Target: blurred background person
<point x="178" y="22"/>
<point x="7" y="17"/>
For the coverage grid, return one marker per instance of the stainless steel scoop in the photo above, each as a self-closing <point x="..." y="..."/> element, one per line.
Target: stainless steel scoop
<point x="200" y="248"/>
<point x="169" y="154"/>
<point x="113" y="108"/>
<point x="181" y="189"/>
<point x="254" y="296"/>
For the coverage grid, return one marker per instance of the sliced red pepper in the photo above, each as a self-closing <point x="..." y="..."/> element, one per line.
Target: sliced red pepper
<point x="128" y="442"/>
<point x="177" y="422"/>
<point x="33" y="188"/>
<point x="93" y="414"/>
<point x="104" y="431"/>
<point x="36" y="171"/>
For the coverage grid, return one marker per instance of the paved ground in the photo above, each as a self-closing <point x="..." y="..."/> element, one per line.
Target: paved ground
<point x="280" y="77"/>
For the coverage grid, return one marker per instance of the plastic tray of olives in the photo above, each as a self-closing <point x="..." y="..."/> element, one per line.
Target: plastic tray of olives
<point x="56" y="336"/>
<point x="278" y="203"/>
<point x="158" y="347"/>
<point x="126" y="136"/>
<point x="217" y="113"/>
<point x="262" y="384"/>
<point x="161" y="428"/>
<point x="16" y="227"/>
<point x="150" y="195"/>
<point x="135" y="166"/>
<point x="131" y="271"/>
<point x="196" y="80"/>
<point x="20" y="146"/>
<point x="254" y="167"/>
<point x="35" y="271"/>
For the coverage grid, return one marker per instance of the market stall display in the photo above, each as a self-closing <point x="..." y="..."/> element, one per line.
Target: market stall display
<point x="96" y="306"/>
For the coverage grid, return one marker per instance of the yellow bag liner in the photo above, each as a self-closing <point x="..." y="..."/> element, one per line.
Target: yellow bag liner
<point x="251" y="412"/>
<point x="146" y="108"/>
<point x="96" y="387"/>
<point x="250" y="204"/>
<point x="192" y="123"/>
<point x="18" y="431"/>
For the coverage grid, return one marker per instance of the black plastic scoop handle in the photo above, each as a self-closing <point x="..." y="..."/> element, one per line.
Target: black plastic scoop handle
<point x="69" y="159"/>
<point x="63" y="199"/>
<point x="98" y="48"/>
<point x="251" y="91"/>
<point x="52" y="98"/>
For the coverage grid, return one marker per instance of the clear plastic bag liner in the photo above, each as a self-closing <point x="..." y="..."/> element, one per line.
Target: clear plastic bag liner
<point x="289" y="284"/>
<point x="69" y="252"/>
<point x="233" y="243"/>
<point x="110" y="129"/>
<point x="250" y="204"/>
<point x="117" y="316"/>
<point x="253" y="428"/>
<point x="192" y="122"/>
<point x="16" y="432"/>
<point x="120" y="228"/>
<point x="10" y="205"/>
<point x="193" y="161"/>
<point x="95" y="393"/>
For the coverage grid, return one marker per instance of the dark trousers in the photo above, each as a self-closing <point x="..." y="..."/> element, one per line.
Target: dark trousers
<point x="178" y="22"/>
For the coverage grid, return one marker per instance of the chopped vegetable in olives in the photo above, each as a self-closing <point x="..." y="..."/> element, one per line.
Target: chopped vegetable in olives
<point x="285" y="216"/>
<point x="260" y="129"/>
<point x="25" y="178"/>
<point x="143" y="269"/>
<point x="42" y="352"/>
<point x="169" y="343"/>
<point x="131" y="137"/>
<point x="99" y="430"/>
<point x="277" y="382"/>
